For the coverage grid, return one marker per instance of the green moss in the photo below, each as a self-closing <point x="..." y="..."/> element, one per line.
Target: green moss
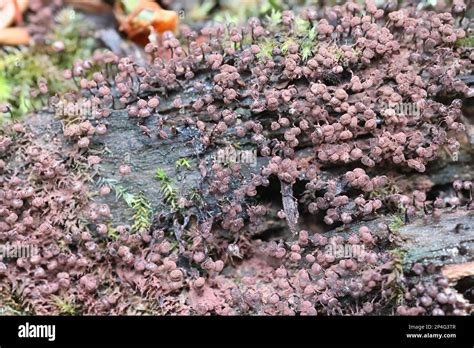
<point x="303" y="35"/>
<point x="467" y="41"/>
<point x="395" y="277"/>
<point x="286" y="44"/>
<point x="141" y="213"/>
<point x="65" y="306"/>
<point x="77" y="36"/>
<point x="228" y="17"/>
<point x="167" y="189"/>
<point x="302" y="26"/>
<point x="122" y="193"/>
<point x="266" y="49"/>
<point x="22" y="68"/>
<point x="183" y="163"/>
<point x="308" y="44"/>
<point x="196" y="196"/>
<point x="10" y="304"/>
<point x="274" y="18"/>
<point x="201" y="11"/>
<point x="139" y="203"/>
<point x="229" y="11"/>
<point x="161" y="175"/>
<point x="112" y="232"/>
<point x="396" y="223"/>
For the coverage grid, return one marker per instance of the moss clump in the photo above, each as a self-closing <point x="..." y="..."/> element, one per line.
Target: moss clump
<point x="396" y="223"/>
<point x="169" y="192"/>
<point x="139" y="203"/>
<point x="142" y="213"/>
<point x="396" y="276"/>
<point x="467" y="41"/>
<point x="65" y="306"/>
<point x="183" y="163"/>
<point x="23" y="69"/>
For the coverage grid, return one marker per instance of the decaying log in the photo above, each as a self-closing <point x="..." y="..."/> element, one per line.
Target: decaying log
<point x="458" y="271"/>
<point x="125" y="143"/>
<point x="290" y="206"/>
<point x="140" y="144"/>
<point x="450" y="240"/>
<point x="447" y="242"/>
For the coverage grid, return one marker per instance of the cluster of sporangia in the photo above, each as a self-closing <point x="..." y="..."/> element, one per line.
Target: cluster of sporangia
<point x="41" y="18"/>
<point x="435" y="298"/>
<point x="342" y="103"/>
<point x="44" y="200"/>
